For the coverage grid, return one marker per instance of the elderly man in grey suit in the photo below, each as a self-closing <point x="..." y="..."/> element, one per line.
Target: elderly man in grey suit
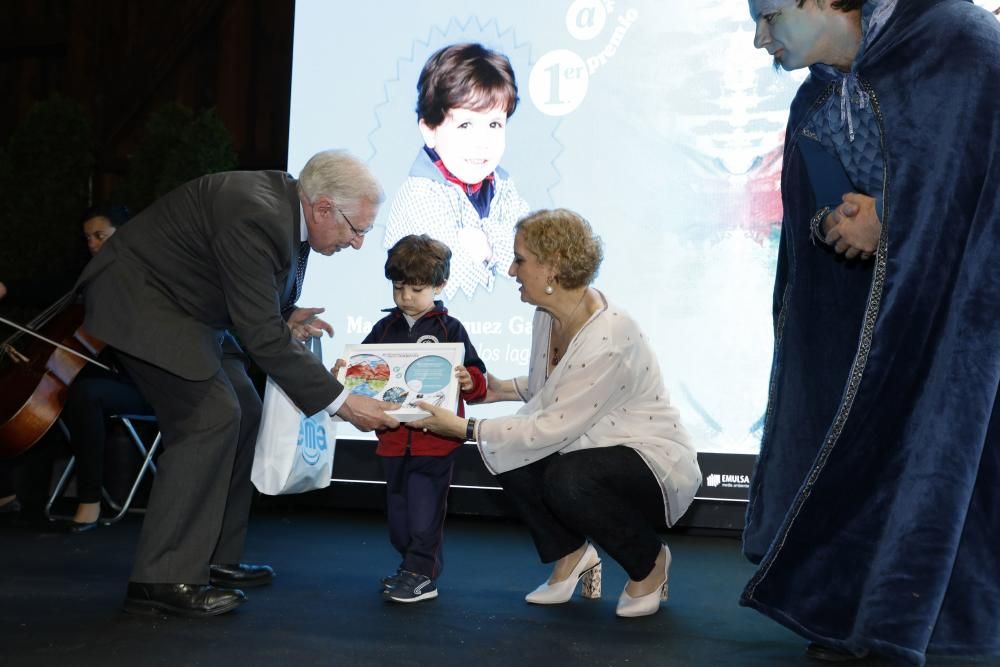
<point x="225" y="252"/>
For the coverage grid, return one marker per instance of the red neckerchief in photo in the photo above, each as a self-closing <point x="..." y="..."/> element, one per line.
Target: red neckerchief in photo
<point x="479" y="194"/>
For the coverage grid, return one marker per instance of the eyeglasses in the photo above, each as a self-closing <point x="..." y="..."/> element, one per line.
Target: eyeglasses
<point x="357" y="232"/>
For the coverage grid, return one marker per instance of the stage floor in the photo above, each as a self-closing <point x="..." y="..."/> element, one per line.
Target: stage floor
<point x="60" y="604"/>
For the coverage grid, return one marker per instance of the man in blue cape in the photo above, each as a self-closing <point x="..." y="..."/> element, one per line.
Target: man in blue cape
<point x="875" y="505"/>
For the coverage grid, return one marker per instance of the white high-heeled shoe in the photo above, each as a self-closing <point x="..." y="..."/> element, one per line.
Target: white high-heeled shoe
<point x="588" y="570"/>
<point x="645" y="605"/>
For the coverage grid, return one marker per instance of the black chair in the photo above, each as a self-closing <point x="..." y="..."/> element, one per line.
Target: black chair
<point x="148" y="465"/>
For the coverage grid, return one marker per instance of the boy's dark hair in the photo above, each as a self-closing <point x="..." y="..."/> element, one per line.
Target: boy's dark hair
<point x="418" y="260"/>
<point x="468" y="76"/>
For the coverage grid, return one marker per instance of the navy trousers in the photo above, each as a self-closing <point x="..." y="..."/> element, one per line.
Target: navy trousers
<point x="416" y="505"/>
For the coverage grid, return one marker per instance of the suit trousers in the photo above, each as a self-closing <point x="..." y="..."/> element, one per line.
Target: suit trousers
<point x="416" y="506"/>
<point x="200" y="503"/>
<point x="608" y="494"/>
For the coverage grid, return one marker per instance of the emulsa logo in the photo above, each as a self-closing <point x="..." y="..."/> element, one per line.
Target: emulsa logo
<point x="716" y="480"/>
<point x="312" y="440"/>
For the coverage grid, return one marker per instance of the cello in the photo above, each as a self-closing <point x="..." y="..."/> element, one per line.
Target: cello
<point x="36" y="370"/>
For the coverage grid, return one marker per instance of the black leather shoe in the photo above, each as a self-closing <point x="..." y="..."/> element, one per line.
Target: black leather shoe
<point x="830" y="654"/>
<point x="240" y="575"/>
<point x="192" y="600"/>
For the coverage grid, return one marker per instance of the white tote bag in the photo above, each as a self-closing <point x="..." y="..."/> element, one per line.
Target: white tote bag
<point x="294" y="453"/>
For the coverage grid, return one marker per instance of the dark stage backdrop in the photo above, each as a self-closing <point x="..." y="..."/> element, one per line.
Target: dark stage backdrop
<point x="663" y="127"/>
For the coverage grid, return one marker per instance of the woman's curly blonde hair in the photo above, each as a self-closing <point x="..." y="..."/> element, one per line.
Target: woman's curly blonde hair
<point x="564" y="241"/>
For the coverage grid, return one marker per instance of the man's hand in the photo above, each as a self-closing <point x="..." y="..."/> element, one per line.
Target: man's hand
<point x="304" y="324"/>
<point x="337" y="366"/>
<point x="855" y="229"/>
<point x="367" y="414"/>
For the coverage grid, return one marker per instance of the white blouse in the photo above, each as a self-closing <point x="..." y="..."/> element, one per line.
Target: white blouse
<point x="606" y="391"/>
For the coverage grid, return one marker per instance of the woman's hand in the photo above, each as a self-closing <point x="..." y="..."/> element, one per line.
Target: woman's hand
<point x="499" y="390"/>
<point x="443" y="422"/>
<point x="337" y="366"/>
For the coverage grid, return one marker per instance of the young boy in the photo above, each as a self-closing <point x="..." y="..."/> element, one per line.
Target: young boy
<point x="418" y="466"/>
<point x="456" y="192"/>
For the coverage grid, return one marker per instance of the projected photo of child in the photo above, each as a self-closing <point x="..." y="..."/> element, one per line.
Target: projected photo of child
<point x="456" y="192"/>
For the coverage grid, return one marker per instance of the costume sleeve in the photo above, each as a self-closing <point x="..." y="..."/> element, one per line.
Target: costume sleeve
<point x="827" y="176"/>
<point x="829" y="182"/>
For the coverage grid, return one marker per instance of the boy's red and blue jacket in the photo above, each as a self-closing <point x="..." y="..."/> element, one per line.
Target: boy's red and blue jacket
<point x="436" y="326"/>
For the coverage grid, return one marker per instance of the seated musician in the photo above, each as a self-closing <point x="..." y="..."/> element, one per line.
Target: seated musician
<point x="94" y="396"/>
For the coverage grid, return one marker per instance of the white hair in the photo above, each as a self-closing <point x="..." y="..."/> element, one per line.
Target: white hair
<point x="340" y="175"/>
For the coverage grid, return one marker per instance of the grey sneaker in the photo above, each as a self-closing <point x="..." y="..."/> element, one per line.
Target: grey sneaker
<point x="411" y="587"/>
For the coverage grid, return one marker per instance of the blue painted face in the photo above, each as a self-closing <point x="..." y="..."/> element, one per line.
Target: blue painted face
<point x="794" y="36"/>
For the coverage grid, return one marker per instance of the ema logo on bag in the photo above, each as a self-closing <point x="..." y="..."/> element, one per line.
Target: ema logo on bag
<point x="312" y="440"/>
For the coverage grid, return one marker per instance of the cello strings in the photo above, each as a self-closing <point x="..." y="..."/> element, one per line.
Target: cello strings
<point x="42" y="318"/>
<point x="52" y="342"/>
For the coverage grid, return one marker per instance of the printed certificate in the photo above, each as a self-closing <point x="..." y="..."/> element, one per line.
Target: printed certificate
<point x="404" y="373"/>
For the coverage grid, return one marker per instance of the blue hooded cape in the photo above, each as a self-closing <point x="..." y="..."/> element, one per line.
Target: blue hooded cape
<point x="874" y="508"/>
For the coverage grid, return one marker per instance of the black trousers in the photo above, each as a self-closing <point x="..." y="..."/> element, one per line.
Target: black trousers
<point x="200" y="502"/>
<point x="606" y="494"/>
<point x="94" y="396"/>
<point x="416" y="506"/>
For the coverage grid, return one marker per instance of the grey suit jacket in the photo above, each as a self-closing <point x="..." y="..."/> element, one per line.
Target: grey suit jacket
<point x="216" y="254"/>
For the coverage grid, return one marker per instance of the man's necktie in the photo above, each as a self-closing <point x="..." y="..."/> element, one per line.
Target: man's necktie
<point x="300" y="273"/>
